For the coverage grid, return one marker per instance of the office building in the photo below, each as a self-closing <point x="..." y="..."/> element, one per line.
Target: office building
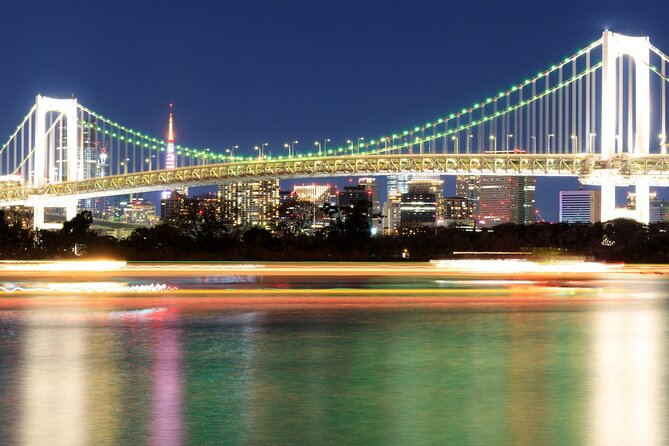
<point x="458" y="212"/>
<point x="170" y="205"/>
<point x="429" y="184"/>
<point x="580" y="206"/>
<point x="418" y="208"/>
<point x="499" y="199"/>
<point x="392" y="218"/>
<point x="250" y="203"/>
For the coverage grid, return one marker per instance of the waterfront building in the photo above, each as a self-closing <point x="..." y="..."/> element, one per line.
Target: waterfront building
<point x="371" y="185"/>
<point x="170" y="204"/>
<point x="499" y="199"/>
<point x="458" y="212"/>
<point x="398" y="183"/>
<point x="317" y="194"/>
<point x="429" y="184"/>
<point x="392" y="217"/>
<point x="580" y="206"/>
<point x="353" y="195"/>
<point x="250" y="203"/>
<point x="468" y="186"/>
<point x="418" y="208"/>
<point x="140" y="211"/>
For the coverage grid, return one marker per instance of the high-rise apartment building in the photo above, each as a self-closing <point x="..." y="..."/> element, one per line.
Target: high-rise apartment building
<point x="398" y="183"/>
<point x="317" y="194"/>
<point x="170" y="205"/>
<point x="418" y="208"/>
<point x="580" y="206"/>
<point x="250" y="203"/>
<point x="392" y="216"/>
<point x="429" y="184"/>
<point x="499" y="199"/>
<point x="458" y="212"/>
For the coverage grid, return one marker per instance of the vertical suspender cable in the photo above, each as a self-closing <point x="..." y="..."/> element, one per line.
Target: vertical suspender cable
<point x="593" y="103"/>
<point x="560" y="134"/>
<point x="540" y="135"/>
<point x="663" y="81"/>
<point x="28" y="149"/>
<point x="568" y="131"/>
<point x="574" y="129"/>
<point x="631" y="136"/>
<point x="589" y="147"/>
<point x="533" y="142"/>
<point x="619" y="135"/>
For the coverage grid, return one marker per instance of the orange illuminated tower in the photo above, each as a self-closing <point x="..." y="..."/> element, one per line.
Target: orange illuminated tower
<point x="170" y="156"/>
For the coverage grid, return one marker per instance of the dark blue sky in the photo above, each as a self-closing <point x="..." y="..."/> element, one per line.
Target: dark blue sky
<point x="247" y="72"/>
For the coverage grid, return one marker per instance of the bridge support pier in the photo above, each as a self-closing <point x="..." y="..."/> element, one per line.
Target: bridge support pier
<point x="70" y="205"/>
<point x="608" y="199"/>
<point x="642" y="189"/>
<point x="609" y="211"/>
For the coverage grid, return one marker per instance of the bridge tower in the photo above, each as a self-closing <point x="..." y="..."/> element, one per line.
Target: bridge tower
<point x="46" y="168"/>
<point x="614" y="47"/>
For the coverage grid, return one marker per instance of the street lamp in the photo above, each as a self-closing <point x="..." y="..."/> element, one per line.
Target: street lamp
<point x="325" y="146"/>
<point x="469" y="139"/>
<point x="350" y="145"/>
<point x="548" y="141"/>
<point x="318" y="144"/>
<point x="508" y="137"/>
<point x="494" y="142"/>
<point x="261" y="150"/>
<point x="231" y="151"/>
<point x="360" y="139"/>
<point x="456" y="144"/>
<point x="574" y="143"/>
<point x="291" y="148"/>
<point x="124" y="163"/>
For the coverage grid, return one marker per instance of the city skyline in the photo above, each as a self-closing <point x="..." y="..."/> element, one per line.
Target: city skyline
<point x="289" y="113"/>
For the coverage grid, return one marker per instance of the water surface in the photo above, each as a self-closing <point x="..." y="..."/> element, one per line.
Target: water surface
<point x="433" y="357"/>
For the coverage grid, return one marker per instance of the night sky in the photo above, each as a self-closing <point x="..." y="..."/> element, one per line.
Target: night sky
<point x="248" y="72"/>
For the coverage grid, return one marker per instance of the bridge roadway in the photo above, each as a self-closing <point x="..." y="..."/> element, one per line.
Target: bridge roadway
<point x="590" y="169"/>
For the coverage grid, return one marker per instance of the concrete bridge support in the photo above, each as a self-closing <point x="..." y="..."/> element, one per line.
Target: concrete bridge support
<point x="615" y="46"/>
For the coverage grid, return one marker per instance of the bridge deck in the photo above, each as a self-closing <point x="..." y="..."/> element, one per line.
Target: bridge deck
<point x="589" y="168"/>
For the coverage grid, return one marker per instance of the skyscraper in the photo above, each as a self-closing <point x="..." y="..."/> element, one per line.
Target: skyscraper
<point x="392" y="213"/>
<point x="250" y="203"/>
<point x="398" y="183"/>
<point x="499" y="199"/>
<point x="580" y="206"/>
<point x="458" y="212"/>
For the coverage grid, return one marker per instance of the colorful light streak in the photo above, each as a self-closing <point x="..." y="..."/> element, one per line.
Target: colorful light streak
<point x="514" y="266"/>
<point x="90" y="288"/>
<point x="57" y="266"/>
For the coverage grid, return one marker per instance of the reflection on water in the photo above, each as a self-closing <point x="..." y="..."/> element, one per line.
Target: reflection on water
<point x="629" y="377"/>
<point x="510" y="371"/>
<point x="53" y="394"/>
<point x="166" y="425"/>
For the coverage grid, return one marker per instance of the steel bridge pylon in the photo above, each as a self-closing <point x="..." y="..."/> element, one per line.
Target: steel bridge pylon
<point x="614" y="47"/>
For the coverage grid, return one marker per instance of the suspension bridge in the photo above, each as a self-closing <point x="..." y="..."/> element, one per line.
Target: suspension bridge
<point x="599" y="115"/>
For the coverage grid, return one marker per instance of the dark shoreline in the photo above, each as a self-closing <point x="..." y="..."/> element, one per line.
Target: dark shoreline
<point x="618" y="240"/>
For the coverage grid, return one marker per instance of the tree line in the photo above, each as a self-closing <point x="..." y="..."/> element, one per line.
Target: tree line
<point x="200" y="234"/>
